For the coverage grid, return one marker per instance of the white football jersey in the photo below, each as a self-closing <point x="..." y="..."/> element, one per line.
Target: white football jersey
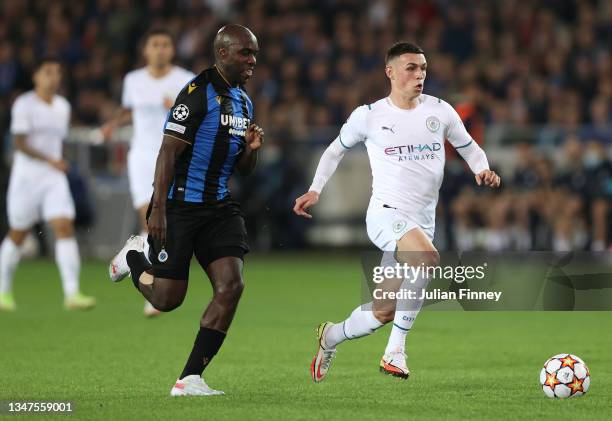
<point x="145" y="95"/>
<point x="406" y="151"/>
<point x="44" y="124"/>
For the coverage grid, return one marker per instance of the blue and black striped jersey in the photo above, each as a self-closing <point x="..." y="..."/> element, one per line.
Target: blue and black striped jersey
<point x="212" y="117"/>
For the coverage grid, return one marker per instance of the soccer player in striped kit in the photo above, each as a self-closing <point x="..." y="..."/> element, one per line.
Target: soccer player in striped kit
<point x="208" y="134"/>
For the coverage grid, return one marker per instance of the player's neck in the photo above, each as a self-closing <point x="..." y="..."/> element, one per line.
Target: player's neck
<point x="46" y="96"/>
<point x="403" y="102"/>
<point x="158" y="72"/>
<point x="223" y="74"/>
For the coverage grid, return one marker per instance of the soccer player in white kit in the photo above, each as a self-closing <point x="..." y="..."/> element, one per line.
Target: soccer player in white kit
<point x="148" y="94"/>
<point x="38" y="187"/>
<point x="404" y="134"/>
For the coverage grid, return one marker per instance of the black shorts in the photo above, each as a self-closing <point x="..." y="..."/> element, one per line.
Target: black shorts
<point x="208" y="231"/>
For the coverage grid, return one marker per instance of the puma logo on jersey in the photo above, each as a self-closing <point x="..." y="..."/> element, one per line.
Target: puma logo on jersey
<point x="191" y="88"/>
<point x="388" y="128"/>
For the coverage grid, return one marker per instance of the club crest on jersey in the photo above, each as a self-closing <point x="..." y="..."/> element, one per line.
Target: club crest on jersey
<point x="180" y="112"/>
<point x="399" y="225"/>
<point x="432" y="123"/>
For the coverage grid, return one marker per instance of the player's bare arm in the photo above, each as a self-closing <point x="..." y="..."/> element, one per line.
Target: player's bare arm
<point x="170" y="149"/>
<point x="254" y="139"/>
<point x="489" y="178"/>
<point x="21" y="145"/>
<point x="122" y="117"/>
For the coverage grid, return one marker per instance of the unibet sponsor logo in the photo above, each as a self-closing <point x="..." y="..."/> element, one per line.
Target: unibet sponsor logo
<point x="238" y="125"/>
<point x="418" y="152"/>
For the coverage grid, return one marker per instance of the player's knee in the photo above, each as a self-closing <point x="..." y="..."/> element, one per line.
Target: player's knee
<point x="167" y="304"/>
<point x="600" y="209"/>
<point x="63" y="229"/>
<point x="413" y="258"/>
<point x="17" y="237"/>
<point x="432" y="258"/>
<point x="230" y="292"/>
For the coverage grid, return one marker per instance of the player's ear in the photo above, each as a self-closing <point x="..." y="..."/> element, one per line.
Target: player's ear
<point x="389" y="71"/>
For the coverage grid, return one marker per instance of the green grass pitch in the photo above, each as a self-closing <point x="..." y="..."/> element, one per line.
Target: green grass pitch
<point x="114" y="364"/>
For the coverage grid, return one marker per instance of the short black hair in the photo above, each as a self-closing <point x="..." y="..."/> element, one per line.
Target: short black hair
<point x="156" y="30"/>
<point x="400" y="48"/>
<point x="47" y="58"/>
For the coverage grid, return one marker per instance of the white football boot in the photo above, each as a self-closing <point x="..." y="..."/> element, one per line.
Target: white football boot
<point x="394" y="364"/>
<point x="118" y="268"/>
<point x="193" y="385"/>
<point x="322" y="361"/>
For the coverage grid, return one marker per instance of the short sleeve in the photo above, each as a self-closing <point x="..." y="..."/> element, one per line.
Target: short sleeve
<point x="354" y="130"/>
<point x="126" y="93"/>
<point x="456" y="133"/>
<point x="188" y="111"/>
<point x="20" y="123"/>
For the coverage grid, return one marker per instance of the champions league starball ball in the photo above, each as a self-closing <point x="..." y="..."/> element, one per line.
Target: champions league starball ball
<point x="565" y="376"/>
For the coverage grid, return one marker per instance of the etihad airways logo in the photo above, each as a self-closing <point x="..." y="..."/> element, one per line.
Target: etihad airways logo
<point x="417" y="152"/>
<point x="238" y="125"/>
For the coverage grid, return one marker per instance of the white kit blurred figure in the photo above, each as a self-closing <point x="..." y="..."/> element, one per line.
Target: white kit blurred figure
<point x="148" y="94"/>
<point x="38" y="188"/>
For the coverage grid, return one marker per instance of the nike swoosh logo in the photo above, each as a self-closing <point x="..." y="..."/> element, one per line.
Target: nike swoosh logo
<point x="318" y="374"/>
<point x="191" y="88"/>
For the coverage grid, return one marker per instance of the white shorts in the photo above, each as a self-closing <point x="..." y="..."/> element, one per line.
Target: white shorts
<point x="387" y="225"/>
<point x="32" y="197"/>
<point x="141" y="173"/>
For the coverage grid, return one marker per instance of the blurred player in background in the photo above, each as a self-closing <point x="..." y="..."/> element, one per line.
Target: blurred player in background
<point x="207" y="135"/>
<point x="38" y="188"/>
<point x="404" y="134"/>
<point x="148" y="94"/>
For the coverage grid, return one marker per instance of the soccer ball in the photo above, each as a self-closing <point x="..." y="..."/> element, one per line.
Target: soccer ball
<point x="565" y="376"/>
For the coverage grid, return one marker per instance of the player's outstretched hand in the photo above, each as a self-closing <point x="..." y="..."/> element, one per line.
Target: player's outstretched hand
<point x="304" y="202"/>
<point x="156" y="224"/>
<point x="489" y="178"/>
<point x="254" y="137"/>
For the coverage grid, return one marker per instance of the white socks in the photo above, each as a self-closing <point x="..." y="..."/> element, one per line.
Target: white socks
<point x="69" y="264"/>
<point x="9" y="258"/>
<point x="360" y="323"/>
<point x="145" y="235"/>
<point x="406" y="311"/>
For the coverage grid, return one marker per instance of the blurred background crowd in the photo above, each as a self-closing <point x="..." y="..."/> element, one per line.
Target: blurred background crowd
<point x="531" y="80"/>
